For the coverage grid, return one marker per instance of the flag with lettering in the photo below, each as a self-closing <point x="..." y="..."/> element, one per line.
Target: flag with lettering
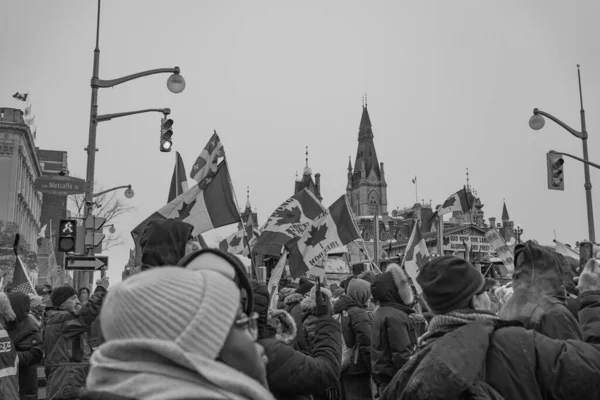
<point x="179" y="180"/>
<point x="334" y="227"/>
<point x="205" y="167"/>
<point x="21" y="282"/>
<point x="288" y="222"/>
<point x="417" y="256"/>
<point x="205" y="209"/>
<point x="459" y="201"/>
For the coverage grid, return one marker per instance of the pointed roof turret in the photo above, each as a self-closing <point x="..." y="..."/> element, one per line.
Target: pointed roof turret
<point x="366" y="148"/>
<point x="349" y="163"/>
<point x="505" y="216"/>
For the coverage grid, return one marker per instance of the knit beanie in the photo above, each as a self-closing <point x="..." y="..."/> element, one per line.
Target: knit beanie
<point x="449" y="283"/>
<point x="36" y="301"/>
<point x="61" y="294"/>
<point x="193" y="309"/>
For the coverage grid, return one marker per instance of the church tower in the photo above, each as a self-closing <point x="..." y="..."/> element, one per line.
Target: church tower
<point x="247" y="213"/>
<point x="367" y="189"/>
<point x="307" y="182"/>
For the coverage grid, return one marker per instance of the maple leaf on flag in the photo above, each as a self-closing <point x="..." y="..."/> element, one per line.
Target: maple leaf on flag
<point x="317" y="235"/>
<point x="421" y="260"/>
<point x="235" y="241"/>
<point x="449" y="202"/>
<point x="185" y="209"/>
<point x="287" y="216"/>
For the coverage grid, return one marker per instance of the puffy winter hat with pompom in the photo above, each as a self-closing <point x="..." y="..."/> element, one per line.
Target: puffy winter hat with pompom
<point x="193" y="309"/>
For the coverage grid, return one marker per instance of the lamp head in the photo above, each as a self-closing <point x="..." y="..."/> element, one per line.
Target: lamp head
<point x="129" y="193"/>
<point x="537" y="122"/>
<point x="112" y="229"/>
<point x="176" y="83"/>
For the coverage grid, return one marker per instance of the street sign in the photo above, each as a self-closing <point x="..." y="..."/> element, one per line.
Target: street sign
<point x="60" y="185"/>
<point x="86" y="263"/>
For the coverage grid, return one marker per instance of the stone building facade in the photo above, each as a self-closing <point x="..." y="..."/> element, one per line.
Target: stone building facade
<point x="19" y="168"/>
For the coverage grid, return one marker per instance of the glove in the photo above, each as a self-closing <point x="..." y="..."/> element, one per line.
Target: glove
<point x="589" y="280"/>
<point x="324" y="307"/>
<point x="103" y="282"/>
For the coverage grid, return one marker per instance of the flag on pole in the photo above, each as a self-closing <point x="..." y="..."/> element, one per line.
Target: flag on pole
<point x="21" y="282"/>
<point x="459" y="201"/>
<point x="414" y="180"/>
<point x="334" y="227"/>
<point x="179" y="180"/>
<point x="288" y="222"/>
<point x="19" y="96"/>
<point x="205" y="209"/>
<point x="205" y="167"/>
<point x="234" y="243"/>
<point x="274" y="280"/>
<point x="565" y="250"/>
<point x="416" y="257"/>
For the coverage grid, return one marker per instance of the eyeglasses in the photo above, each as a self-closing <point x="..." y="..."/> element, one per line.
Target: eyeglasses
<point x="250" y="323"/>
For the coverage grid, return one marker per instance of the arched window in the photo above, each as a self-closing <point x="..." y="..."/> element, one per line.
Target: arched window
<point x="373" y="203"/>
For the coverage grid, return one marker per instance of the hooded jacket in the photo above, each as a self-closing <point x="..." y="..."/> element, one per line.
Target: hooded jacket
<point x="393" y="334"/>
<point x="356" y="324"/>
<point x="292" y="374"/>
<point x="9" y="361"/>
<point x="163" y="242"/>
<point x="539" y="293"/>
<point x="66" y="346"/>
<point x="517" y="363"/>
<point x="292" y="306"/>
<point x="27" y="340"/>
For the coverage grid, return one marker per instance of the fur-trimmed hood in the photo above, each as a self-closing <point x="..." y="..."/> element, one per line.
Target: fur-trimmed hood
<point x="309" y="304"/>
<point x="293" y="299"/>
<point x="285" y="326"/>
<point x="392" y="286"/>
<point x="6" y="312"/>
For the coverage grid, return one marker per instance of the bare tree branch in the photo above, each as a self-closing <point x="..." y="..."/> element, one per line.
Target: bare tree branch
<point x="110" y="206"/>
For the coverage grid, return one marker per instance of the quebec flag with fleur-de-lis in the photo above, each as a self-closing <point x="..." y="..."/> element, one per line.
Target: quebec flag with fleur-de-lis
<point x="334" y="227"/>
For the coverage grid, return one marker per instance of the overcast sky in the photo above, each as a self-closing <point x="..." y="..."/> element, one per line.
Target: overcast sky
<point x="451" y="85"/>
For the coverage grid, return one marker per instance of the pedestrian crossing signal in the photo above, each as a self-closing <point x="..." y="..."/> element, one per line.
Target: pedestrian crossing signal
<point x="67" y="234"/>
<point x="556" y="179"/>
<point x="165" y="135"/>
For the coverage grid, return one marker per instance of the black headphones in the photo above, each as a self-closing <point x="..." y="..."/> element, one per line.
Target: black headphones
<point x="241" y="278"/>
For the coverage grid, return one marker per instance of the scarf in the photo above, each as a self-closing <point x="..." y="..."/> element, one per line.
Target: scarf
<point x="151" y="369"/>
<point x="444" y="323"/>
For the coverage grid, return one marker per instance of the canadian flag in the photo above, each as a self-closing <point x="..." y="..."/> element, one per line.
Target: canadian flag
<point x="416" y="255"/>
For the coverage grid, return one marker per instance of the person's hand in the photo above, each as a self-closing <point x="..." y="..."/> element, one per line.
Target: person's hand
<point x="590" y="277"/>
<point x="324" y="307"/>
<point x="103" y="282"/>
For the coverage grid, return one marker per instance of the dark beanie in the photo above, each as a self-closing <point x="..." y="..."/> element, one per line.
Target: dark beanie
<point x="449" y="283"/>
<point x="61" y="294"/>
<point x="304" y="286"/>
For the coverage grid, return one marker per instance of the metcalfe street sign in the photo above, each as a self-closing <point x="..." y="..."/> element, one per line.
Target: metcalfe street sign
<point x="86" y="263"/>
<point x="60" y="185"/>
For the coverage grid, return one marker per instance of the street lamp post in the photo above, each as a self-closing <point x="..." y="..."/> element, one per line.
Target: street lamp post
<point x="175" y="84"/>
<point x="518" y="230"/>
<point x="537" y="122"/>
<point x="129" y="193"/>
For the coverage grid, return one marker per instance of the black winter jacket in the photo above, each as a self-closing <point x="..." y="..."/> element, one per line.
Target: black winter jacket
<point x="27" y="340"/>
<point x="356" y="331"/>
<point x="517" y="363"/>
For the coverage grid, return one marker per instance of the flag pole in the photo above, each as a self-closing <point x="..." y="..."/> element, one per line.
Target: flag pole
<point x="252" y="263"/>
<point x="441" y="234"/>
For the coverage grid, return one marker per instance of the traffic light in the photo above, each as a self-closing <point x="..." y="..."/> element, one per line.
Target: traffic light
<point x="165" y="135"/>
<point x="67" y="234"/>
<point x="556" y="179"/>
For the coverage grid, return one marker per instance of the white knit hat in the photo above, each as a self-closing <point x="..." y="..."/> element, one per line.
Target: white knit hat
<point x="193" y="309"/>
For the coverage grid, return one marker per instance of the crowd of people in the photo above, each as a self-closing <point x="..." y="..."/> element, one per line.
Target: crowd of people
<point x="192" y="324"/>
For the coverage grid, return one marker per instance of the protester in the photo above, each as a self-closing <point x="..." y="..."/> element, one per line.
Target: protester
<point x="356" y="330"/>
<point x="44" y="290"/>
<point x="292" y="374"/>
<point x="539" y="293"/>
<point x="393" y="335"/>
<point x="469" y="353"/>
<point x="9" y="361"/>
<point x="27" y="341"/>
<point x="165" y="242"/>
<point x="83" y="295"/>
<point x="283" y="294"/>
<point x="37" y="309"/>
<point x="292" y="306"/>
<point x="65" y="343"/>
<point x="175" y="333"/>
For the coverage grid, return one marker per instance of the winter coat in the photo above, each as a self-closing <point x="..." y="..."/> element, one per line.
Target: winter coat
<point x="356" y="331"/>
<point x="393" y="334"/>
<point x="9" y="361"/>
<point x="538" y="300"/>
<point x="66" y="346"/>
<point x="515" y="362"/>
<point x="292" y="306"/>
<point x="27" y="340"/>
<point x="292" y="374"/>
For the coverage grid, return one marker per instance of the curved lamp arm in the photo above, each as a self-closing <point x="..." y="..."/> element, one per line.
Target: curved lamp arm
<point x="110" y="190"/>
<point x="108" y="117"/>
<point x="577" y="134"/>
<point x="100" y="83"/>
